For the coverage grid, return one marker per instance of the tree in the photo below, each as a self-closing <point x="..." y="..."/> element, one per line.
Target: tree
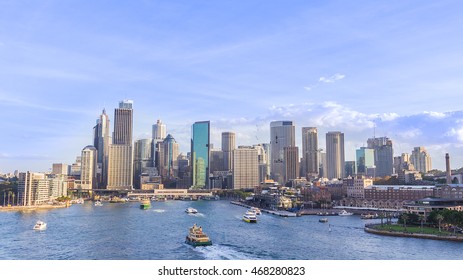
<point x="439" y="219"/>
<point x="405" y="217"/>
<point x="422" y="220"/>
<point x="9" y="195"/>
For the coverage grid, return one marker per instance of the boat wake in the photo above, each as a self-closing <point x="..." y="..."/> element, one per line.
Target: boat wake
<point x="222" y="252"/>
<point x="159" y="210"/>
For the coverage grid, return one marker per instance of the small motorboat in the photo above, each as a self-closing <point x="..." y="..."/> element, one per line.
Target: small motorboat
<point x="39" y="225"/>
<point x="191" y="210"/>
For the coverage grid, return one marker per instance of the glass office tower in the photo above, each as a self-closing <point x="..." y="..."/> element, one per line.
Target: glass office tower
<point x="200" y="151"/>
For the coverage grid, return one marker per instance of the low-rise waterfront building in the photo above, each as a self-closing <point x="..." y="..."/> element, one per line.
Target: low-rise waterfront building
<point x="355" y="187"/>
<point x="388" y="192"/>
<point x="427" y="205"/>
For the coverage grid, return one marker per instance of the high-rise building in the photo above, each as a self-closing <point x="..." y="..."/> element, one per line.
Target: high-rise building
<point x="200" y="153"/>
<point x="60" y="168"/>
<point x="159" y="131"/>
<point x="310" y="152"/>
<point x="123" y="123"/>
<point x="384" y="155"/>
<point x="88" y="168"/>
<point x="102" y="140"/>
<point x="365" y="162"/>
<point x="120" y="162"/>
<point x="323" y="163"/>
<point x="245" y="168"/>
<point x="282" y="134"/>
<point x="217" y="161"/>
<point x="120" y="174"/>
<point x="349" y="168"/>
<point x="263" y="153"/>
<point x="142" y="159"/>
<point x="228" y="145"/>
<point x="421" y="159"/>
<point x="168" y="156"/>
<point x="402" y="162"/>
<point x="75" y="168"/>
<point x="291" y="158"/>
<point x="33" y="189"/>
<point x="335" y="155"/>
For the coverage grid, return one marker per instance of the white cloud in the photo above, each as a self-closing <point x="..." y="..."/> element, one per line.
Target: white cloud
<point x="438" y="115"/>
<point x="458" y="132"/>
<point x="412" y="133"/>
<point x="332" y="79"/>
<point x="388" y="116"/>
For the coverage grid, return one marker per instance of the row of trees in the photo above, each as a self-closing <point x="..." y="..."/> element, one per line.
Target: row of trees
<point x="437" y="218"/>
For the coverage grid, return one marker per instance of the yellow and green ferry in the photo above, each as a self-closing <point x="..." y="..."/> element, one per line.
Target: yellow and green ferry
<point x="196" y="237"/>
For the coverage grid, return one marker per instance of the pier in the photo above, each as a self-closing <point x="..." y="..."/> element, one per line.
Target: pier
<point x="273" y="212"/>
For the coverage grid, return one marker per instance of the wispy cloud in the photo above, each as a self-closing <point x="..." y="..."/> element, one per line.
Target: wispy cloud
<point x="332" y="79"/>
<point x="326" y="80"/>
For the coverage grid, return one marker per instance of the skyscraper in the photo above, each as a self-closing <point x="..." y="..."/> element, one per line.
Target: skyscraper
<point x="263" y="153"/>
<point x="142" y="160"/>
<point x="120" y="163"/>
<point x="120" y="167"/>
<point x="282" y="134"/>
<point x="291" y="158"/>
<point x="228" y="145"/>
<point x="102" y="140"/>
<point x="421" y="160"/>
<point x="159" y="131"/>
<point x="168" y="156"/>
<point x="123" y="123"/>
<point x="335" y="155"/>
<point x="365" y="161"/>
<point x="310" y="152"/>
<point x="384" y="155"/>
<point x="245" y="168"/>
<point x="200" y="152"/>
<point x="88" y="168"/>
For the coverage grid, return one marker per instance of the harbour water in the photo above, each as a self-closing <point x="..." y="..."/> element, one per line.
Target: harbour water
<point x="124" y="232"/>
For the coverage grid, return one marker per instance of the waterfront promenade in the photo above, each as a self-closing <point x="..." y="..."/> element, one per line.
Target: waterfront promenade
<point x="30" y="208"/>
<point x="372" y="228"/>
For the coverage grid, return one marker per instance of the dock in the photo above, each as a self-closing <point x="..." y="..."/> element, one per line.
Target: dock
<point x="273" y="212"/>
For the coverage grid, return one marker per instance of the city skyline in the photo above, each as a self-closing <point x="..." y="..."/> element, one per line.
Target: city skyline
<point x="365" y="69"/>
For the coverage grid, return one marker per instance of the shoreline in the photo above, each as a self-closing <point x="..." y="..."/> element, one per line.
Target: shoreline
<point x="30" y="208"/>
<point x="370" y="229"/>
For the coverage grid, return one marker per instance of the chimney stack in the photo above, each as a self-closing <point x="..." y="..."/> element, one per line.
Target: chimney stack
<point x="449" y="172"/>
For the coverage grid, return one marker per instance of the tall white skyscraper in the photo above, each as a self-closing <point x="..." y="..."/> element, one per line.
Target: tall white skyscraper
<point x="335" y="160"/>
<point x="421" y="160"/>
<point x="159" y="131"/>
<point x="310" y="152"/>
<point x="88" y="168"/>
<point x="282" y="134"/>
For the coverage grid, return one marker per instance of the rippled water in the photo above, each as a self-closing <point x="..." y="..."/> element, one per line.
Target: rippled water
<point x="124" y="232"/>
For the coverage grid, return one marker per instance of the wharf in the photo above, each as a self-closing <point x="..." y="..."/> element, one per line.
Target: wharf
<point x="273" y="212"/>
<point x="30" y="208"/>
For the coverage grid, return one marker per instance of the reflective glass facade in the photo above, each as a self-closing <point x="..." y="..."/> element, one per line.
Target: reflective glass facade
<point x="200" y="151"/>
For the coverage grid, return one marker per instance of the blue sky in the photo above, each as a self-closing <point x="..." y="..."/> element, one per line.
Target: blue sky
<point x="338" y="65"/>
